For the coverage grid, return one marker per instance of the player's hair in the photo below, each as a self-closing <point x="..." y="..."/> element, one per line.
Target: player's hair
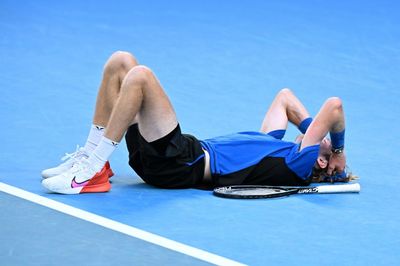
<point x="320" y="176"/>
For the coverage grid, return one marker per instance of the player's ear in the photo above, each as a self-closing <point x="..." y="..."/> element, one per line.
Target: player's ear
<point x="322" y="162"/>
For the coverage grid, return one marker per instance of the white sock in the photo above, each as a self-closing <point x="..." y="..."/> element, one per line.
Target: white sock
<point x="102" y="152"/>
<point x="95" y="134"/>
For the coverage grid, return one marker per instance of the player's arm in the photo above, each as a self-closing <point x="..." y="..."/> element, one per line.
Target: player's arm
<point x="285" y="108"/>
<point x="330" y="119"/>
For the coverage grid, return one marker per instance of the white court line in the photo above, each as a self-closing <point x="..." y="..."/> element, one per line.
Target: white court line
<point x="119" y="227"/>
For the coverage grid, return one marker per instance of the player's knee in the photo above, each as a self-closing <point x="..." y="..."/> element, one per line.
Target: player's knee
<point x="120" y="61"/>
<point x="138" y="75"/>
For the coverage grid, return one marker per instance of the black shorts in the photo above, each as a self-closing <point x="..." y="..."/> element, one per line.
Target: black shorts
<point x="174" y="161"/>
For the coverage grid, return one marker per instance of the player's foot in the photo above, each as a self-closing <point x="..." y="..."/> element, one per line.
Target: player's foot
<point x="81" y="178"/>
<point x="69" y="160"/>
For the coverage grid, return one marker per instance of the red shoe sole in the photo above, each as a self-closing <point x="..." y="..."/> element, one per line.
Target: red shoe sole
<point x="99" y="183"/>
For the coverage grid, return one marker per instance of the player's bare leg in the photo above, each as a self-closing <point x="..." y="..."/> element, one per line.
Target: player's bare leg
<point x="141" y="99"/>
<point x="115" y="70"/>
<point x="142" y="96"/>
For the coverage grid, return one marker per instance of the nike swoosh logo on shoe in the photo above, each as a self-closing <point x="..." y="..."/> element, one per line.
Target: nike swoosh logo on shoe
<point x="75" y="184"/>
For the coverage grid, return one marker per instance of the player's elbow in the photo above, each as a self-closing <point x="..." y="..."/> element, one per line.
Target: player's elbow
<point x="285" y="92"/>
<point x="284" y="96"/>
<point x="334" y="103"/>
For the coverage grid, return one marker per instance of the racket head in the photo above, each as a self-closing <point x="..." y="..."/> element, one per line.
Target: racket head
<point x="253" y="192"/>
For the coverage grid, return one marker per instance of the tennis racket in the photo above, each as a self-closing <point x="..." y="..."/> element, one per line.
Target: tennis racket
<point x="258" y="191"/>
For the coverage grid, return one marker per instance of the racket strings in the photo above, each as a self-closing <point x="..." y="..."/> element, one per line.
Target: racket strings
<point x="255" y="191"/>
<point x="258" y="191"/>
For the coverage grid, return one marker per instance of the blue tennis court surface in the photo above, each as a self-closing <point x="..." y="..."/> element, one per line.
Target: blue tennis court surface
<point x="221" y="62"/>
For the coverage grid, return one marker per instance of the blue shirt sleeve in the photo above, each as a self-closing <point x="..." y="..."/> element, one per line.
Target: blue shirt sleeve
<point x="278" y="134"/>
<point x="302" y="162"/>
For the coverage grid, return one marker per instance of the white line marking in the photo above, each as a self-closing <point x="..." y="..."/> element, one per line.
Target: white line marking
<point x="119" y="227"/>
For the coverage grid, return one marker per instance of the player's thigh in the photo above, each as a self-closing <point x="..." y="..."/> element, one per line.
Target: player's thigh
<point x="156" y="116"/>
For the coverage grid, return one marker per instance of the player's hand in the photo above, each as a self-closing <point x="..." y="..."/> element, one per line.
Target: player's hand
<point x="337" y="163"/>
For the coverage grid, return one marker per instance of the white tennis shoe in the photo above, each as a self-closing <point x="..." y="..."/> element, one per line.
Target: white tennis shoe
<point x="69" y="160"/>
<point x="80" y="178"/>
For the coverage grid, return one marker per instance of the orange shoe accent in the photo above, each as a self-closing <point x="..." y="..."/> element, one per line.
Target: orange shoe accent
<point x="98" y="183"/>
<point x="109" y="170"/>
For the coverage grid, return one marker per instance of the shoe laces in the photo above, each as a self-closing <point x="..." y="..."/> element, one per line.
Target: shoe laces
<point x="75" y="156"/>
<point x="80" y="165"/>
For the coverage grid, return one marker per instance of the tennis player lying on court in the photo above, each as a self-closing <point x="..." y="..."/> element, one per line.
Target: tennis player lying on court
<point x="131" y="101"/>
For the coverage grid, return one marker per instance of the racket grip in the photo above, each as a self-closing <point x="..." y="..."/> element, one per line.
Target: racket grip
<point x="348" y="188"/>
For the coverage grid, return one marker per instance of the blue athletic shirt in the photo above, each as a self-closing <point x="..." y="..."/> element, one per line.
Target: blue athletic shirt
<point x="259" y="158"/>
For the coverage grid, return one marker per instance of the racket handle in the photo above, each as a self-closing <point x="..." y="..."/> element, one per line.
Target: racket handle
<point x="348" y="188"/>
